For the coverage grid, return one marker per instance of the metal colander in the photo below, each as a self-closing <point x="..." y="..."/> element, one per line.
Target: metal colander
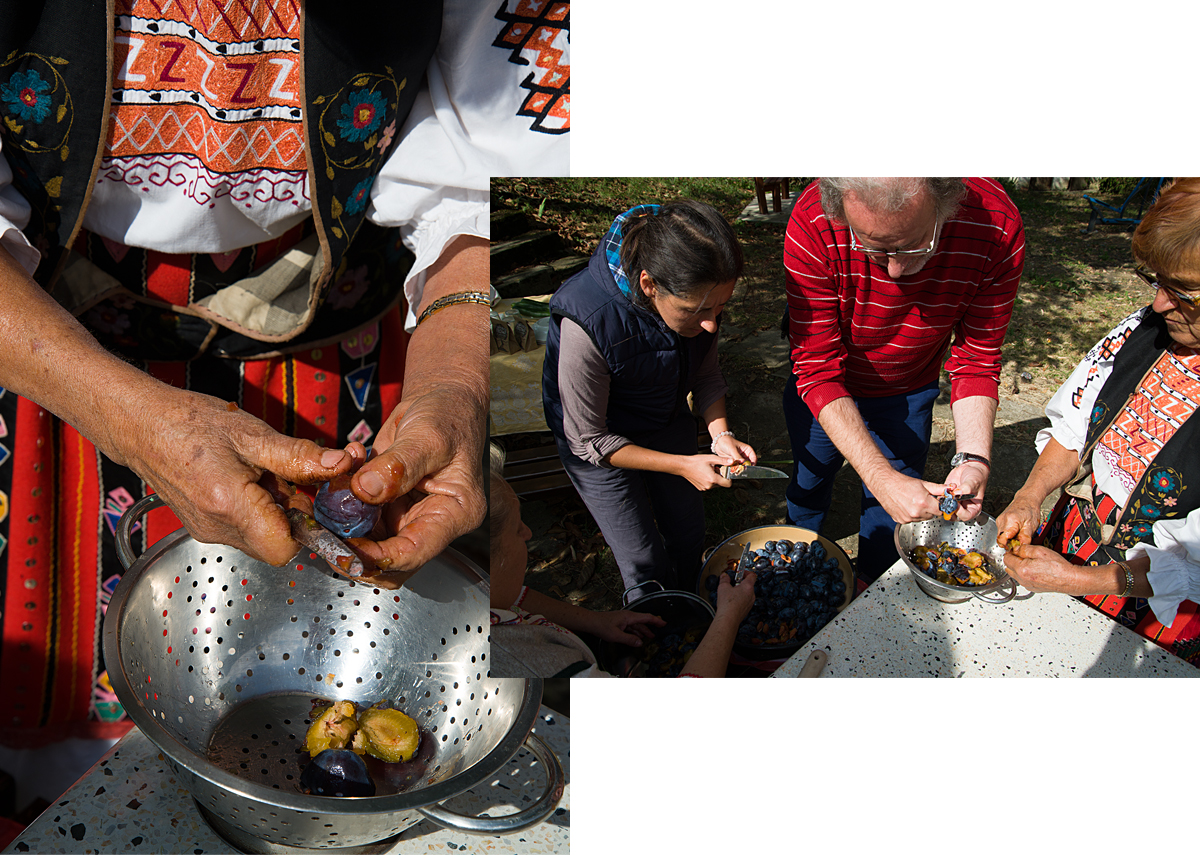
<point x="977" y="534"/>
<point x="217" y="656"/>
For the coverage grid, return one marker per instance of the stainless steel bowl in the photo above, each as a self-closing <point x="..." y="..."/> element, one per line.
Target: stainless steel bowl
<point x="731" y="549"/>
<point x="216" y="657"/>
<point x="977" y="534"/>
<point x="677" y="608"/>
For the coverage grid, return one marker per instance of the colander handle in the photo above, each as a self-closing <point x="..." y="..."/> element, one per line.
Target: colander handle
<point x="532" y="815"/>
<point x="1011" y="585"/>
<point x="125" y="526"/>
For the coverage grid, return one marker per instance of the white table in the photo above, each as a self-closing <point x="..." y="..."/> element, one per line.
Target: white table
<point x="130" y="801"/>
<point x="893" y="629"/>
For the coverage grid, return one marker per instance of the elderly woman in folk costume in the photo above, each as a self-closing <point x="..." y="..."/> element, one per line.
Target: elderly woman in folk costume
<point x="238" y="244"/>
<point x="1122" y="442"/>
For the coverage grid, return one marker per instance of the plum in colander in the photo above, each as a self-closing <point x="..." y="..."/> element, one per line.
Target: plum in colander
<point x="337" y="772"/>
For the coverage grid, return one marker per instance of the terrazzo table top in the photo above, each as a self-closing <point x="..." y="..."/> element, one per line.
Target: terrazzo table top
<point x="893" y="629"/>
<point x="131" y="801"/>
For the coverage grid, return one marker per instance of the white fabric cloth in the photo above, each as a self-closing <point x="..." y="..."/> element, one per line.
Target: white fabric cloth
<point x="464" y="128"/>
<point x="1175" y="550"/>
<point x="529" y="645"/>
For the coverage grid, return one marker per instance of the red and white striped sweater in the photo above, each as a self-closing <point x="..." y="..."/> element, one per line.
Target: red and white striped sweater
<point x="856" y="331"/>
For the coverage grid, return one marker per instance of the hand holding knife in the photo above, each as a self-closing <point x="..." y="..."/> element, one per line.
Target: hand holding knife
<point x="740" y="471"/>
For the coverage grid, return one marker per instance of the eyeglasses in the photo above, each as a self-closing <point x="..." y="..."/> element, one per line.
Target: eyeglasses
<point x="891" y="253"/>
<point x="1150" y="278"/>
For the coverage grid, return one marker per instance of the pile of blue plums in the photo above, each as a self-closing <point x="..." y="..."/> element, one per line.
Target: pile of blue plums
<point x="798" y="589"/>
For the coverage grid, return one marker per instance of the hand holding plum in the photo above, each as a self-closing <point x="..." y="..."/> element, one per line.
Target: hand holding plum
<point x="425" y="475"/>
<point x="339" y="510"/>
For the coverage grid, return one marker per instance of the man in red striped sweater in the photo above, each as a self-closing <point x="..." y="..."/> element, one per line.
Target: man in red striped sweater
<point x="883" y="276"/>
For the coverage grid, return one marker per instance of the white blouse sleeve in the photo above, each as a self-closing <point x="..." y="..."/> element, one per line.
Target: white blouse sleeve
<point x="1174" y="565"/>
<point x="465" y="127"/>
<point x="1071" y="406"/>
<point x="14" y="216"/>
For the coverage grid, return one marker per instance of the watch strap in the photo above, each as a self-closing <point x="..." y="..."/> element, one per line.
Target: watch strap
<point x="962" y="457"/>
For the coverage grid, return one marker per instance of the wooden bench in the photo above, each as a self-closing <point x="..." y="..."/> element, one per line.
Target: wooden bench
<point x="536" y="472"/>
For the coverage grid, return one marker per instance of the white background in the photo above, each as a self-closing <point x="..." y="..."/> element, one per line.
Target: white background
<point x="967" y="766"/>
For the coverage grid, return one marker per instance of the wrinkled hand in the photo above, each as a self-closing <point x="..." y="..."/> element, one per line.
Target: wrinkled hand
<point x="970" y="477"/>
<point x="700" y="470"/>
<point x="206" y="459"/>
<point x="625" y="627"/>
<point x="427" y="473"/>
<point x="1043" y="570"/>
<point x="738" y="599"/>
<point x="909" y="499"/>
<point x="734" y="450"/>
<point x="1020" y="520"/>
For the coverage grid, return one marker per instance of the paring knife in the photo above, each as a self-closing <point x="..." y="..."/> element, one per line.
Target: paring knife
<point x="745" y="470"/>
<point x="325" y="543"/>
<point x="743" y="564"/>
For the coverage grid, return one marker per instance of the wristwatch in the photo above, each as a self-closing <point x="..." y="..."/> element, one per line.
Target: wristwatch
<point x="963" y="457"/>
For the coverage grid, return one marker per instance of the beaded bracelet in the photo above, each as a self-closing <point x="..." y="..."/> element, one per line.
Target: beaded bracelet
<point x="452" y="299"/>
<point x="713" y="445"/>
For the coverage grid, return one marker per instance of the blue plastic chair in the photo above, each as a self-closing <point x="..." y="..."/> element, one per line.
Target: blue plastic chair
<point x="1143" y="195"/>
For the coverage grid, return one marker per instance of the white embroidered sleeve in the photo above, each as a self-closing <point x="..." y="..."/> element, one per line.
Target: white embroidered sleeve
<point x="472" y="121"/>
<point x="1071" y="406"/>
<point x="1174" y="565"/>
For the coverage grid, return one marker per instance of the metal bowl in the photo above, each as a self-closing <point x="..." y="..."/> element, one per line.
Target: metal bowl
<point x="731" y="549"/>
<point x="216" y="657"/>
<point x="977" y="534"/>
<point x="679" y="609"/>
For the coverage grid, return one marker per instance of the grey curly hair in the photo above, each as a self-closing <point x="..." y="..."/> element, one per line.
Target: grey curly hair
<point x="889" y="195"/>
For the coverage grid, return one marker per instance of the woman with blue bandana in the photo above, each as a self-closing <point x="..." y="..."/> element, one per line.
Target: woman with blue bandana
<point x="632" y="337"/>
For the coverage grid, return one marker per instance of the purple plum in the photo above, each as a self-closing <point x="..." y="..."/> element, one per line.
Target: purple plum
<point x="343" y="513"/>
<point x="337" y="772"/>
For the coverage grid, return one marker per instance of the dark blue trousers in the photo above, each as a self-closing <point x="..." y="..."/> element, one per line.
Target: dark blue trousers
<point x="901" y="426"/>
<point x="653" y="522"/>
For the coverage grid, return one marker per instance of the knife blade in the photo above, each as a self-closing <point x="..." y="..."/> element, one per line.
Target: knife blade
<point x="745" y="470"/>
<point x="743" y="564"/>
<point x="325" y="543"/>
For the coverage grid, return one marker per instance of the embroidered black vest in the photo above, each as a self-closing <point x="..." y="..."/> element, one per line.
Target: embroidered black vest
<point x="1162" y="492"/>
<point x="55" y="75"/>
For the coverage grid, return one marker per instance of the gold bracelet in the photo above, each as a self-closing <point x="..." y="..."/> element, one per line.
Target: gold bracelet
<point x="1128" y="576"/>
<point x="452" y="299"/>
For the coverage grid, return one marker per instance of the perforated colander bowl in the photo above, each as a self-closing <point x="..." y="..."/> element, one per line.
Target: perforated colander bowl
<point x="978" y="534"/>
<point x="217" y="657"/>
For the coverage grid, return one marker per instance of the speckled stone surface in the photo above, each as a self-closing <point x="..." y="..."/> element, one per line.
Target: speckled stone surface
<point x="130" y="801"/>
<point x="893" y="629"/>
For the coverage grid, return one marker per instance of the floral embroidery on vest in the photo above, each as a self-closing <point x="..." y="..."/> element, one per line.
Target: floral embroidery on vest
<point x="354" y="138"/>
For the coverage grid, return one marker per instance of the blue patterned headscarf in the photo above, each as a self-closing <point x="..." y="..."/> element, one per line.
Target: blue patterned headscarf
<point x="612" y="244"/>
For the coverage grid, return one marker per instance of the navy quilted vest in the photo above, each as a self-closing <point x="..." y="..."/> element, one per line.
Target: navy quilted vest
<point x="652" y="367"/>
